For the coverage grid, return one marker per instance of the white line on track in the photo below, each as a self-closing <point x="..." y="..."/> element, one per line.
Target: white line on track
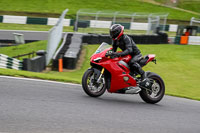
<point x="39" y="80"/>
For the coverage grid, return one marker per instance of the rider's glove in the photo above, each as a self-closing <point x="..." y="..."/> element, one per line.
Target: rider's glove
<point x="116" y="54"/>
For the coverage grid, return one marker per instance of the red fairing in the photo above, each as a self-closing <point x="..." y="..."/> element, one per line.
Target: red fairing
<point x="151" y="57"/>
<point x="118" y="70"/>
<point x="126" y="58"/>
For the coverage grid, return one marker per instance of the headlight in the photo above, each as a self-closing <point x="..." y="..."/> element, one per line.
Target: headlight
<point x="97" y="59"/>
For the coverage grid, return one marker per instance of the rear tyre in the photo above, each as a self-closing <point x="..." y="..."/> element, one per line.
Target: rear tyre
<point x="157" y="91"/>
<point x="90" y="86"/>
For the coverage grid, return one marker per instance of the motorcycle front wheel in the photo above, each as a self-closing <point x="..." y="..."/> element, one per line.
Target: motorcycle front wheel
<point x="157" y="91"/>
<point x="90" y="85"/>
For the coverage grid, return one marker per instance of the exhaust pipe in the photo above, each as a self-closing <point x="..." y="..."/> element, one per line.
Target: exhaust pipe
<point x="133" y="90"/>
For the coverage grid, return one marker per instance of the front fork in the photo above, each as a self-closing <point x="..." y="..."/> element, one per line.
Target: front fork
<point x="102" y="71"/>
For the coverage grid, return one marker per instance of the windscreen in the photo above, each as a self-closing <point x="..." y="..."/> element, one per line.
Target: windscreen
<point x="102" y="47"/>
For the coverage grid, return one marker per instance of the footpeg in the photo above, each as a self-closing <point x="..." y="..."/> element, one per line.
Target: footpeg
<point x="133" y="90"/>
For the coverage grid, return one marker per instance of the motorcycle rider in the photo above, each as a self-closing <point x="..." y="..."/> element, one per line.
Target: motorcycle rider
<point x="128" y="47"/>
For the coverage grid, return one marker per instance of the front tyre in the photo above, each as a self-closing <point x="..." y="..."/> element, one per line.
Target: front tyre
<point x="157" y="91"/>
<point x="90" y="85"/>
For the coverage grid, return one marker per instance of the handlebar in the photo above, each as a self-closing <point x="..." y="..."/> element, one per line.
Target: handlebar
<point x="109" y="53"/>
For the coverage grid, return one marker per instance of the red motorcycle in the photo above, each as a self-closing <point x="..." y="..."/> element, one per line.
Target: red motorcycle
<point x="113" y="74"/>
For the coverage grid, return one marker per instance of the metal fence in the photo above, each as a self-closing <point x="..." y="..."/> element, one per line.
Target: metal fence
<point x="54" y="37"/>
<point x="98" y="21"/>
<point x="29" y="55"/>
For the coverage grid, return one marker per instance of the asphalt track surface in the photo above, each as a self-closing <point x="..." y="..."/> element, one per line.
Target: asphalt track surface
<point x="35" y="106"/>
<point x="28" y="35"/>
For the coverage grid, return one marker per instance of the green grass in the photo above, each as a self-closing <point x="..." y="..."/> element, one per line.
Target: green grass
<point x="52" y="6"/>
<point x="23" y="49"/>
<point x="5" y="26"/>
<point x="192" y="5"/>
<point x="178" y="65"/>
<point x="32" y="27"/>
<point x="46" y="76"/>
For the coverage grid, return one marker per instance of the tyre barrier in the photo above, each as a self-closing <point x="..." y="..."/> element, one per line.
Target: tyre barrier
<point x="69" y="51"/>
<point x="36" y="64"/>
<point x="151" y="39"/>
<point x="72" y="54"/>
<point x="10" y="63"/>
<point x="62" y="49"/>
<point x="70" y="58"/>
<point x="162" y="38"/>
<point x="96" y="39"/>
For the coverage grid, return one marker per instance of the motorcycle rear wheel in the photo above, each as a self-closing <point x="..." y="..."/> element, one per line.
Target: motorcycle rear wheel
<point x="90" y="86"/>
<point x="157" y="90"/>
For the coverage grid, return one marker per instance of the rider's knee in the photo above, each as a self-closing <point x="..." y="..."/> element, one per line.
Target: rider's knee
<point x="135" y="65"/>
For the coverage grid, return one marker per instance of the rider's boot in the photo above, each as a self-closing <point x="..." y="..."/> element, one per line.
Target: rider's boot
<point x="145" y="82"/>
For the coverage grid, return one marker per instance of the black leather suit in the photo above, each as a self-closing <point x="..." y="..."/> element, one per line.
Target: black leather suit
<point x="128" y="47"/>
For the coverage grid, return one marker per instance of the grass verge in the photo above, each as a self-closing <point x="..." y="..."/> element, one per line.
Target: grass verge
<point x="23" y="49"/>
<point x="179" y="67"/>
<point x="192" y="5"/>
<point x="31" y="27"/>
<point x="46" y="76"/>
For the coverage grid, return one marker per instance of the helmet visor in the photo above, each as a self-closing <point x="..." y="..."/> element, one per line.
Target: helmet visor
<point x="114" y="34"/>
